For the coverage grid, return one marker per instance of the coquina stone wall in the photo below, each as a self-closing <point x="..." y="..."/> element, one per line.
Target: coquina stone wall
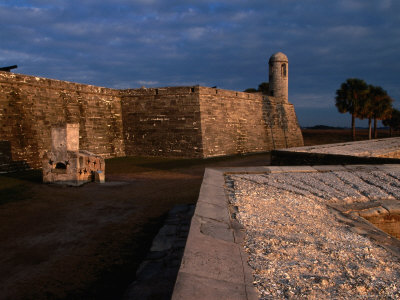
<point x="173" y="121"/>
<point x="30" y="106"/>
<point x="162" y="121"/>
<point x="236" y="122"/>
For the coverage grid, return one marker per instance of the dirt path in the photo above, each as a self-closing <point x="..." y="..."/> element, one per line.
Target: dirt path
<point x="85" y="243"/>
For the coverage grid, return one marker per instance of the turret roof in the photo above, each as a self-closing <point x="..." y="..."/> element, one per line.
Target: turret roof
<point x="279" y="56"/>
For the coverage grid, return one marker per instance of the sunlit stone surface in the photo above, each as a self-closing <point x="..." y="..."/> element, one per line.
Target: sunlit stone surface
<point x="66" y="164"/>
<point x="389" y="147"/>
<point x="305" y="237"/>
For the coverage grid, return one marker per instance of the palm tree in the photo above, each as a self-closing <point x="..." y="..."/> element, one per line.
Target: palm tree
<point x="350" y="97"/>
<point x="366" y="111"/>
<point x="381" y="105"/>
<point x="394" y="121"/>
<point x="375" y="105"/>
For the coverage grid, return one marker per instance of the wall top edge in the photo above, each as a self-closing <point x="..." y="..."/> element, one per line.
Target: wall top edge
<point x="195" y="89"/>
<point x="36" y="80"/>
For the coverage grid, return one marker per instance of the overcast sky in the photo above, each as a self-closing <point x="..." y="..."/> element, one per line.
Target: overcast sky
<point x="128" y="44"/>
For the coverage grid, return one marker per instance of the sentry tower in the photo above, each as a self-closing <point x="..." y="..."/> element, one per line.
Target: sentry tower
<point x="279" y="76"/>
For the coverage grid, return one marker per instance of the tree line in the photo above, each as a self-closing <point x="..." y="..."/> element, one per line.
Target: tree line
<point x="365" y="101"/>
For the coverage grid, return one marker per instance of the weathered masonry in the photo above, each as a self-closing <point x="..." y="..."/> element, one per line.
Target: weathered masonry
<point x="66" y="163"/>
<point x="192" y="121"/>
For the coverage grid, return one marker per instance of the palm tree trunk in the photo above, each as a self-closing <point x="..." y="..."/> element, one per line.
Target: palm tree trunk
<point x="369" y="129"/>
<point x="375" y="131"/>
<point x="353" y="127"/>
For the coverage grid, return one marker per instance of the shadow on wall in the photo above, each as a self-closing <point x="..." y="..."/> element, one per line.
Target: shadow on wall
<point x="6" y="162"/>
<point x="20" y="129"/>
<point x="276" y="122"/>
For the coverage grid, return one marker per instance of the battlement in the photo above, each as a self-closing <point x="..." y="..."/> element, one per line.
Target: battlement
<point x="7" y="78"/>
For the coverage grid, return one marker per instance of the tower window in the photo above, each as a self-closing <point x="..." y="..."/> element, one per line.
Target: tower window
<point x="284" y="70"/>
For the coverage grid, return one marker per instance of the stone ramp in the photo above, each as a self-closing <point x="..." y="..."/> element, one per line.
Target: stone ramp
<point x="379" y="151"/>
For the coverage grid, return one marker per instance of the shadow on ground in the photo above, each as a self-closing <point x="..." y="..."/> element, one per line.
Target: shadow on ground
<point x="87" y="242"/>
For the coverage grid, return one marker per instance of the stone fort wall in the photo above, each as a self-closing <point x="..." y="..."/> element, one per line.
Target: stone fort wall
<point x="237" y="122"/>
<point x="30" y="106"/>
<point x="162" y="121"/>
<point x="173" y="121"/>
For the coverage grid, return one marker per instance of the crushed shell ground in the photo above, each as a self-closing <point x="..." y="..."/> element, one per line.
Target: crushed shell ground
<point x="374" y="148"/>
<point x="296" y="246"/>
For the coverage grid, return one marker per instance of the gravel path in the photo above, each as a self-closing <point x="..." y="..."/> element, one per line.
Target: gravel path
<point x="299" y="249"/>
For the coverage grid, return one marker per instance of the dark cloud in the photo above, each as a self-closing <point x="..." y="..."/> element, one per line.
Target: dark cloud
<point x="226" y="43"/>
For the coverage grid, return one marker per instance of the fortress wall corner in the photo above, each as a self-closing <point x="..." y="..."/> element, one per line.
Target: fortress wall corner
<point x="30" y="106"/>
<point x="238" y="123"/>
<point x="282" y="122"/>
<point x="233" y="123"/>
<point x="294" y="135"/>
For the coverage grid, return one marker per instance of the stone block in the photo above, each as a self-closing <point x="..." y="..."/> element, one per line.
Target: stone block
<point x="217" y="230"/>
<point x="212" y="258"/>
<point x="191" y="286"/>
<point x="212" y="211"/>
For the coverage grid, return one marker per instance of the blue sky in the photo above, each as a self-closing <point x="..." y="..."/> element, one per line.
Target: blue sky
<point x="128" y="44"/>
